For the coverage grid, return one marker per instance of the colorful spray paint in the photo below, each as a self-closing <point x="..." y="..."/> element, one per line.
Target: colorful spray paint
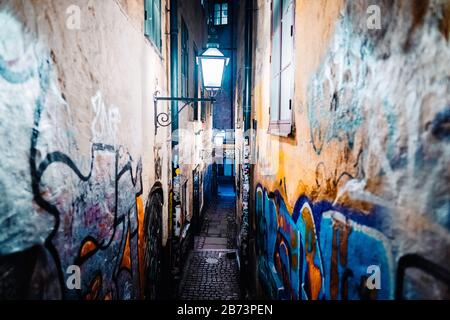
<point x="62" y="208"/>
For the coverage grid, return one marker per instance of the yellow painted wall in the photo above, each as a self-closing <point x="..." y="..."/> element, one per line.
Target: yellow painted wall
<point x="363" y="143"/>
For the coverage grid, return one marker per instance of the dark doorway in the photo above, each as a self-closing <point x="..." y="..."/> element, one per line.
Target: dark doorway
<point x="153" y="244"/>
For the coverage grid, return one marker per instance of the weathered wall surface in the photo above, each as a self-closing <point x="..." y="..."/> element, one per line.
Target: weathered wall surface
<point x="80" y="156"/>
<point x="364" y="178"/>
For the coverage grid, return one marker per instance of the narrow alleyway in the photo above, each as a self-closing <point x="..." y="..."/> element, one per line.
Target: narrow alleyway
<point x="224" y="150"/>
<point x="211" y="271"/>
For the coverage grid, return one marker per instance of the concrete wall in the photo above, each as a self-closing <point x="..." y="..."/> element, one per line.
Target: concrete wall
<point x="84" y="179"/>
<point x="363" y="180"/>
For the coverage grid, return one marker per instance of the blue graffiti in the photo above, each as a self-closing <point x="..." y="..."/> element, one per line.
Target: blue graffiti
<point x="14" y="77"/>
<point x="317" y="252"/>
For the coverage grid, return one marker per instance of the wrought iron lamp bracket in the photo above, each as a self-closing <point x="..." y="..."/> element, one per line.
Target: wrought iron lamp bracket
<point x="164" y="119"/>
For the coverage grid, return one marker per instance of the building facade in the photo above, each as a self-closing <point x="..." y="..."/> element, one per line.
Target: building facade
<point x="348" y="185"/>
<point x="87" y="183"/>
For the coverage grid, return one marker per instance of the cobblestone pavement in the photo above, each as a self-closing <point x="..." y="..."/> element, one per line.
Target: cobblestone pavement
<point x="219" y="227"/>
<point x="211" y="271"/>
<point x="211" y="275"/>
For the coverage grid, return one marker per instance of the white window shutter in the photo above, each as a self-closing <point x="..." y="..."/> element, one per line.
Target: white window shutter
<point x="287" y="63"/>
<point x="275" y="98"/>
<point x="286" y="94"/>
<point x="275" y="61"/>
<point x="287" y="33"/>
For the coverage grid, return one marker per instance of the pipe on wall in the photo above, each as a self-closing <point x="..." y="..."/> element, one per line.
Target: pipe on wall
<point x="248" y="63"/>
<point x="243" y="241"/>
<point x="174" y="64"/>
<point x="174" y="117"/>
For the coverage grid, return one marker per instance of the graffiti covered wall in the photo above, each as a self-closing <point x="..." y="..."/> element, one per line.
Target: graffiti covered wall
<point x="363" y="181"/>
<point x="317" y="252"/>
<point x="76" y="190"/>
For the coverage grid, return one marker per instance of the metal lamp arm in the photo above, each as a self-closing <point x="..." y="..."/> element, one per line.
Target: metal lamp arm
<point x="163" y="119"/>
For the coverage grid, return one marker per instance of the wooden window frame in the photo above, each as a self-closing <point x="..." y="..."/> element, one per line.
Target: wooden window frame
<point x="152" y="31"/>
<point x="221" y="10"/>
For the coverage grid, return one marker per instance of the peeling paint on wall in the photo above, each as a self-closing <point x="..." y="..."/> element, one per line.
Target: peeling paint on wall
<point x="353" y="92"/>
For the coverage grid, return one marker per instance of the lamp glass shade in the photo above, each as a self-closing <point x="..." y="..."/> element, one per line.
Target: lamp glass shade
<point x="213" y="64"/>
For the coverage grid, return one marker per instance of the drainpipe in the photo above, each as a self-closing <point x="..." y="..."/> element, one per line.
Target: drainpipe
<point x="246" y="167"/>
<point x="248" y="63"/>
<point x="174" y="63"/>
<point x="174" y="128"/>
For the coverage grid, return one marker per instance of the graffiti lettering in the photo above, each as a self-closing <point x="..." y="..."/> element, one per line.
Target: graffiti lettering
<point x="106" y="120"/>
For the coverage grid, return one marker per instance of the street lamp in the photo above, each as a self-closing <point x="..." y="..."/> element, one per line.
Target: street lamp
<point x="212" y="63"/>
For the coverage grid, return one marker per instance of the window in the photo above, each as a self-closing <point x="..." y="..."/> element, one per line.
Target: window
<point x="184" y="59"/>
<point x="220" y="14"/>
<point x="152" y="24"/>
<point x="282" y="67"/>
